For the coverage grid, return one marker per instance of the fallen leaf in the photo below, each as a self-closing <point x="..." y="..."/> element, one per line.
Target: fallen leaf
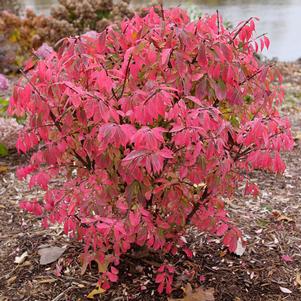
<point x="223" y="253"/>
<point x="281" y="217"/>
<point x="202" y="278"/>
<point x="198" y="294"/>
<point x="97" y="291"/>
<point x="51" y="254"/>
<point x="240" y="248"/>
<point x="21" y="259"/>
<point x="285" y="290"/>
<point x="287" y="258"/>
<point x="44" y="279"/>
<point x="284" y="218"/>
<point x="3" y="168"/>
<point x="80" y="285"/>
<point x="298" y="279"/>
<point x="26" y="263"/>
<point x="259" y="231"/>
<point x="11" y="280"/>
<point x="297" y="136"/>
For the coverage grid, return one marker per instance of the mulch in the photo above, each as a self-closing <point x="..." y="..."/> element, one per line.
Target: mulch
<point x="269" y="269"/>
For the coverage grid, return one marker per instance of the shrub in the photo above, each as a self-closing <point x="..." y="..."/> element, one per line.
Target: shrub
<point x="4" y="84"/>
<point x="10" y="5"/>
<point x="91" y="14"/>
<point x="152" y="123"/>
<point x="22" y="34"/>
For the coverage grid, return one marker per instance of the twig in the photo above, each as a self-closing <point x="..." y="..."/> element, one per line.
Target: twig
<point x="162" y="10"/>
<point x="58" y="297"/>
<point x="112" y="90"/>
<point x="196" y="206"/>
<point x="256" y="38"/>
<point x="126" y="75"/>
<point x="240" y="29"/>
<point x="250" y="77"/>
<point x="218" y="25"/>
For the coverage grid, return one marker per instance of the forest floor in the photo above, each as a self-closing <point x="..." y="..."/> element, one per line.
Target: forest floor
<point x="269" y="269"/>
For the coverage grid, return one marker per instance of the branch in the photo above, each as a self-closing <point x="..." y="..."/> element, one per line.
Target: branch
<point x="218" y="25"/>
<point x="126" y="75"/>
<point x="162" y="10"/>
<point x="197" y="206"/>
<point x="240" y="29"/>
<point x="112" y="90"/>
<point x="256" y="38"/>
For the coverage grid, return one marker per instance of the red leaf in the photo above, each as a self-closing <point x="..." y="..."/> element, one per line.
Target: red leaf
<point x="134" y="218"/>
<point x="266" y="42"/>
<point x="165" y="55"/>
<point x="222" y="229"/>
<point x="160" y="277"/>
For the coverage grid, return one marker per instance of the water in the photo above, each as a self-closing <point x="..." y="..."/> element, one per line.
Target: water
<point x="281" y="19"/>
<point x="39" y="6"/>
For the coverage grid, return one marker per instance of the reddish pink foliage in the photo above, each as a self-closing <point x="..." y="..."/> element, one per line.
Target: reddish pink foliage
<point x="152" y="123"/>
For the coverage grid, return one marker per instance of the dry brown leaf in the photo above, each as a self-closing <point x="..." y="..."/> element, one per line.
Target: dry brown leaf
<point x="281" y="217"/>
<point x="11" y="280"/>
<point x="298" y="279"/>
<point x="45" y="280"/>
<point x="285" y="218"/>
<point x="3" y="168"/>
<point x="199" y="294"/>
<point x="297" y="136"/>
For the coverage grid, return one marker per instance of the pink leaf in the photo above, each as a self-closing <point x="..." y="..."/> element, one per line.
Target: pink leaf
<point x="134" y="218"/>
<point x="287" y="258"/>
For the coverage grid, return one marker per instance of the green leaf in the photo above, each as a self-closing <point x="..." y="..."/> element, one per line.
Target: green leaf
<point x="3" y="150"/>
<point x="3" y="106"/>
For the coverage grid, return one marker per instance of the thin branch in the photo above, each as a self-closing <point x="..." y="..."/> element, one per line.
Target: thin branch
<point x="151" y="96"/>
<point x="197" y="206"/>
<point x="107" y="74"/>
<point x="218" y="24"/>
<point x="240" y="29"/>
<point x="248" y="78"/>
<point x="162" y="10"/>
<point x="127" y="70"/>
<point x="256" y="38"/>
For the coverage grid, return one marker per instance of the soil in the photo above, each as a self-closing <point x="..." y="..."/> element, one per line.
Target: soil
<point x="269" y="269"/>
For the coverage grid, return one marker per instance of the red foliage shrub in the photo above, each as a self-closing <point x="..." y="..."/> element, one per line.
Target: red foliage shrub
<point x="152" y="123"/>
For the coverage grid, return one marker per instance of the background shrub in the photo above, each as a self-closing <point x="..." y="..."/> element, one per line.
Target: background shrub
<point x="20" y="35"/>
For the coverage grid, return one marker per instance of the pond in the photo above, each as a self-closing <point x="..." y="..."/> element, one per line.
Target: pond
<point x="281" y="19"/>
